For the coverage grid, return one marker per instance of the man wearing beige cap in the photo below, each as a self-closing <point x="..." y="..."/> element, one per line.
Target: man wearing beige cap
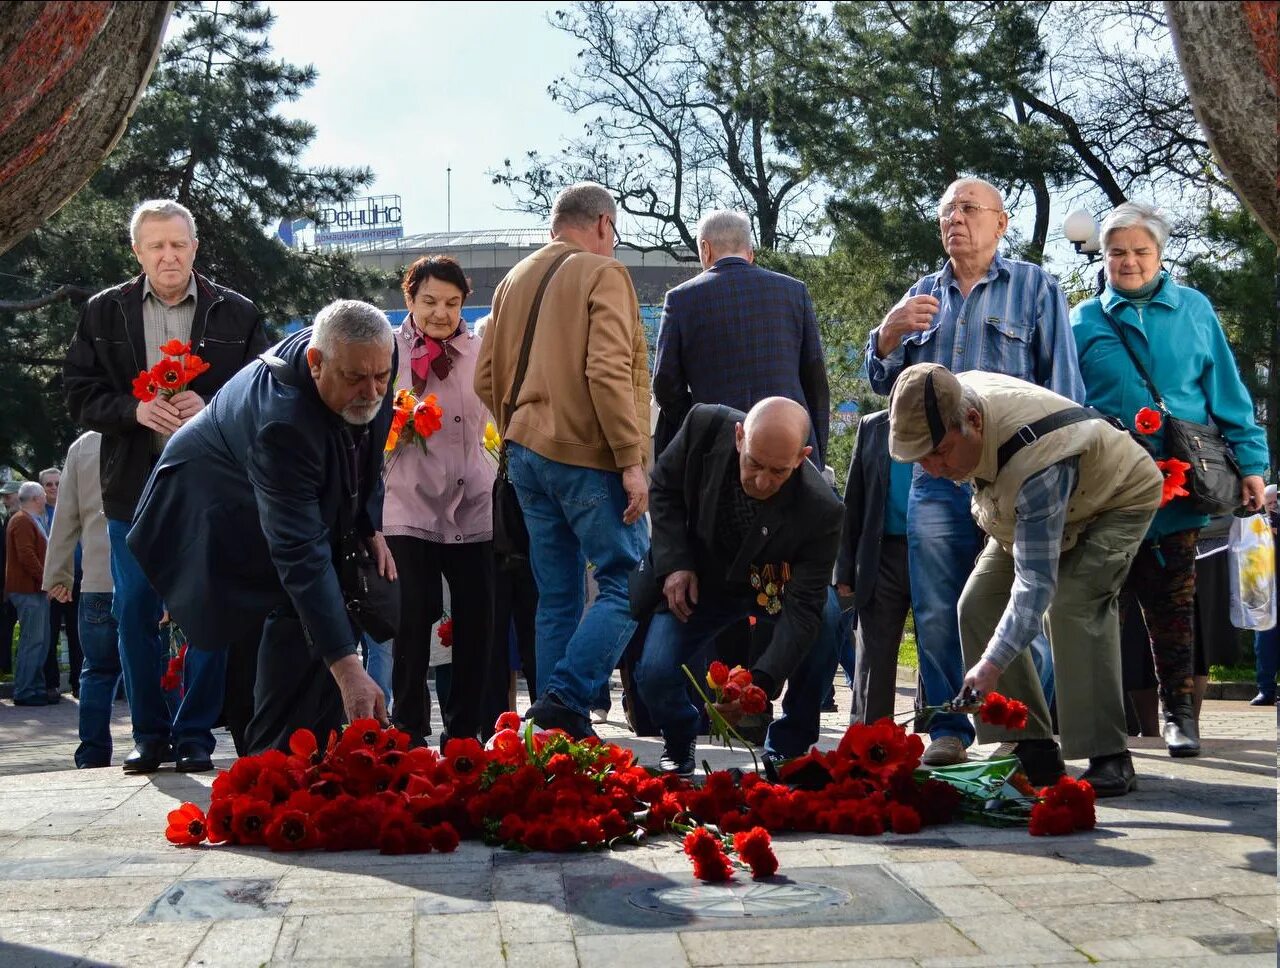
<point x="1065" y="499"/>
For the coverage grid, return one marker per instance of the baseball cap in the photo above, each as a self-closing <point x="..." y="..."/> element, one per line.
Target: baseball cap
<point x="921" y="395"/>
<point x="10" y="487"/>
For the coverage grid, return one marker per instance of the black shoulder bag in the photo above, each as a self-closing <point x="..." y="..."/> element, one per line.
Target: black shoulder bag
<point x="510" y="536"/>
<point x="1213" y="481"/>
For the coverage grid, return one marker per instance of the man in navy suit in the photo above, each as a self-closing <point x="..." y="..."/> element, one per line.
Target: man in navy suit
<point x="736" y="334"/>
<point x="242" y="522"/>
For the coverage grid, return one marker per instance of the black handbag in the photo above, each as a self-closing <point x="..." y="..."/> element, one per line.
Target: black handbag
<point x="1213" y="480"/>
<point x="372" y="601"/>
<point x="510" y="535"/>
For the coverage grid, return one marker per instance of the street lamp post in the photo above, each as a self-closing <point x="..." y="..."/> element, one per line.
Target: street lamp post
<point x="1081" y="231"/>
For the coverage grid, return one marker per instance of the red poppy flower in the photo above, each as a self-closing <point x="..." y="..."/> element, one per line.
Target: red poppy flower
<point x="145" y="387"/>
<point x="218" y="821"/>
<point x="464" y="758"/>
<point x="187" y="826"/>
<point x="1175" y="479"/>
<point x="192" y="367"/>
<point x="302" y="744"/>
<point x="168" y="374"/>
<point x="1147" y="421"/>
<point x="249" y="819"/>
<point x="445" y="630"/>
<point x="754" y="700"/>
<point x="291" y="830"/>
<point x="175" y="347"/>
<point x="427" y="417"/>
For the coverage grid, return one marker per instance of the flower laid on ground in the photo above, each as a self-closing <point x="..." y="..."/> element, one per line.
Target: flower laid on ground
<point x="527" y="790"/>
<point x="1147" y="421"/>
<point x="176" y="369"/>
<point x="1175" y="479"/>
<point x="413" y="420"/>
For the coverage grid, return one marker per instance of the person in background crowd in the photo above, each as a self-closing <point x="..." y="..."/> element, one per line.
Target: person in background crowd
<point x="61" y="614"/>
<point x="1175" y="335"/>
<point x="980" y="312"/>
<point x="25" y="545"/>
<point x="121" y="330"/>
<point x="577" y="440"/>
<point x="1065" y="498"/>
<point x="78" y="566"/>
<point x="736" y="334"/>
<point x="8" y="614"/>
<point x="739" y="515"/>
<point x="872" y="565"/>
<point x="438" y="510"/>
<point x="1266" y="644"/>
<point x="272" y="486"/>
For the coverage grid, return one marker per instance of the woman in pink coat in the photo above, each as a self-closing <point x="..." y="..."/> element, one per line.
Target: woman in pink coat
<point x="438" y="512"/>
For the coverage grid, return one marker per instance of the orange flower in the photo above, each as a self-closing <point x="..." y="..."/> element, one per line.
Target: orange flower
<point x="1147" y="421"/>
<point x="427" y="417"/>
<point x="175" y="348"/>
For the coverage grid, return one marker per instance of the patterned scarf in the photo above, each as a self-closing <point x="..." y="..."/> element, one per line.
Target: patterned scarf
<point x="427" y="354"/>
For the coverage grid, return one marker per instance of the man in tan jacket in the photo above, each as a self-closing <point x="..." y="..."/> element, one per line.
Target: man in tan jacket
<point x="577" y="438"/>
<point x="1065" y="499"/>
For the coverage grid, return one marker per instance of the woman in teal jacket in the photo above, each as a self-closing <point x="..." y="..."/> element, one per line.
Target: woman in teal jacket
<point x="1175" y="333"/>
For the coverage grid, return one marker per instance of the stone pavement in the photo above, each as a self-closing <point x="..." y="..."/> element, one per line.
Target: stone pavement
<point x="1180" y="873"/>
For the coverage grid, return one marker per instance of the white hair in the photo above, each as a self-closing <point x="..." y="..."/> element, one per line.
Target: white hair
<point x="580" y="205"/>
<point x="725" y="230"/>
<point x="1137" y="215"/>
<point x="348" y="321"/>
<point x="159" y="208"/>
<point x="47" y="471"/>
<point x="29" y="491"/>
<point x="970" y="399"/>
<point x="974" y="180"/>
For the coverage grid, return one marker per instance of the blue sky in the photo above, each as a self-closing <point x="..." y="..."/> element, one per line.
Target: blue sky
<point x="412" y="88"/>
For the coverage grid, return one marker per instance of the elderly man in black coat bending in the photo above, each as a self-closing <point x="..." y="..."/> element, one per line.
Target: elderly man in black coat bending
<point x="242" y="524"/>
<point x="743" y="524"/>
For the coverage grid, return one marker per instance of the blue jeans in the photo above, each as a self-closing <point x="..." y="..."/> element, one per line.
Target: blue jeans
<point x="99" y="678"/>
<point x="377" y="662"/>
<point x="158" y="717"/>
<point x="671" y="643"/>
<point x="943" y="543"/>
<point x="1266" y="652"/>
<point x="33" y="645"/>
<point x="843" y="633"/>
<point x="572" y="513"/>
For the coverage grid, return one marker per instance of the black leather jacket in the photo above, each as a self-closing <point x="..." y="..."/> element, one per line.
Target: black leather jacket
<point x="108" y="351"/>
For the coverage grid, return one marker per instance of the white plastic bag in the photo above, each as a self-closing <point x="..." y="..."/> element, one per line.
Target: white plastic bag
<point x="1251" y="557"/>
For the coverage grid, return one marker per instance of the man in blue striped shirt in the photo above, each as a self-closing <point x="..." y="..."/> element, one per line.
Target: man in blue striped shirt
<point x="980" y="312"/>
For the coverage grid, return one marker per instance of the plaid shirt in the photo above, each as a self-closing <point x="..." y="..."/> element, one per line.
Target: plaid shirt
<point x="1041" y="511"/>
<point x="1014" y="321"/>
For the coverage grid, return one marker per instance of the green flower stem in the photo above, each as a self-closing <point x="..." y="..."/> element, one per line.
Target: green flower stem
<point x="720" y="725"/>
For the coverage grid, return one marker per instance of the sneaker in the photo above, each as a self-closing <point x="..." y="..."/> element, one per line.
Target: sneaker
<point x="678" y="757"/>
<point x="599" y="716"/>
<point x="1263" y="699"/>
<point x="945" y="751"/>
<point x="550" y="713"/>
<point x="1041" y="761"/>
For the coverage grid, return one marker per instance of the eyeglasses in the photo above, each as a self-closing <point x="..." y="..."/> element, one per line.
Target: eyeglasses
<point x="967" y="209"/>
<point x="617" y="236"/>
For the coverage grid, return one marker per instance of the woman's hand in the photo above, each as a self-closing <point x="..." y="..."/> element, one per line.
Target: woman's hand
<point x="382" y="555"/>
<point x="1252" y="492"/>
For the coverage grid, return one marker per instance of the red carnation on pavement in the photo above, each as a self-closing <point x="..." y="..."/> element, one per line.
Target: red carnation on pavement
<point x="753" y="846"/>
<point x="710" y="863"/>
<point x="464" y="758"/>
<point x="1147" y="421"/>
<point x="187" y="826"/>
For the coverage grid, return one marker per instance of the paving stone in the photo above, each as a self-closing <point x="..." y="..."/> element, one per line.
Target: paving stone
<point x="196" y="899"/>
<point x="944" y="873"/>
<point x="1090" y="922"/>
<point x="232" y="944"/>
<point x="530" y="921"/>
<point x="75" y="894"/>
<point x="999" y="933"/>
<point x="355" y="937"/>
<point x="1144" y="946"/>
<point x="780" y="947"/>
<point x="1078" y="887"/>
<point x="437" y="940"/>
<point x="966" y="899"/>
<point x="549" y="954"/>
<point x="63" y="954"/>
<point x="148" y="944"/>
<point x="1014" y="958"/>
<point x="622" y="951"/>
<point x="1239" y="944"/>
<point x="1264" y="907"/>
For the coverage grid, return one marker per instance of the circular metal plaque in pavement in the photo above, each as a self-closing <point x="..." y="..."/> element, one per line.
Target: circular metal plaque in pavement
<point x="753" y="899"/>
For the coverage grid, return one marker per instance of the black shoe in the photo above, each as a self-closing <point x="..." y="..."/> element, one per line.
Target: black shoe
<point x="1263" y="699"/>
<point x="147" y="756"/>
<point x="192" y="759"/>
<point x="1111" y="776"/>
<point x="678" y="757"/>
<point x="550" y="713"/>
<point x="1041" y="761"/>
<point x="52" y="696"/>
<point x="1181" y="732"/>
<point x="38" y="701"/>
<point x="829" y="707"/>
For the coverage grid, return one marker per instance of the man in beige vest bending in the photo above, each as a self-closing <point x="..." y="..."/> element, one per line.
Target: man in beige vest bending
<point x="1065" y="499"/>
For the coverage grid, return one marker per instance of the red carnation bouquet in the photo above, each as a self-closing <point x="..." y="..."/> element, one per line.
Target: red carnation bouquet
<point x="175" y="371"/>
